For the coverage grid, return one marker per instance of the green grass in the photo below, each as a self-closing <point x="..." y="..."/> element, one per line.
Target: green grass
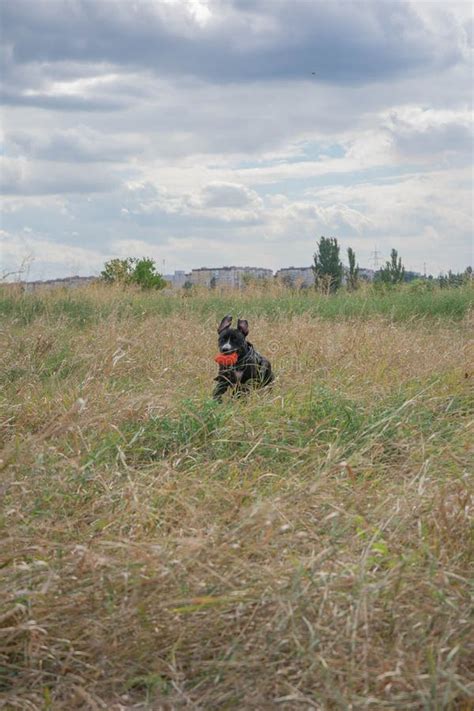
<point x="400" y="304"/>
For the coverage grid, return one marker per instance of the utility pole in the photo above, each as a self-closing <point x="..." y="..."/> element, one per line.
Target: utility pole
<point x="424" y="269"/>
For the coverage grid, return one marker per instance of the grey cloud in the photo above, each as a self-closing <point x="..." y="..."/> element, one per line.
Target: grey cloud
<point x="59" y="102"/>
<point x="18" y="177"/>
<point x="216" y="203"/>
<point x="451" y="138"/>
<point x="183" y="119"/>
<point x="80" y="144"/>
<point x="227" y="195"/>
<point x="342" y="42"/>
<point x="261" y="40"/>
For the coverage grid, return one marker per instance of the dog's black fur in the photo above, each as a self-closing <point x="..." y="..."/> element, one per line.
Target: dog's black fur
<point x="251" y="368"/>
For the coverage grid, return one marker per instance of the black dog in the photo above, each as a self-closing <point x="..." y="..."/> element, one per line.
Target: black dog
<point x="251" y="368"/>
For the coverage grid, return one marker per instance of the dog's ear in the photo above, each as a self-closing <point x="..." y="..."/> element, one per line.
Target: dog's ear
<point x="225" y="323"/>
<point x="243" y="326"/>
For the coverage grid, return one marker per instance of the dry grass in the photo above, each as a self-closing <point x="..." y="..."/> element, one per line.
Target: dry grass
<point x="308" y="547"/>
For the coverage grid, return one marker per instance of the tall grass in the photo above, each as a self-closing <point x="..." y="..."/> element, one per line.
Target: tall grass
<point x="307" y="547"/>
<point x="97" y="302"/>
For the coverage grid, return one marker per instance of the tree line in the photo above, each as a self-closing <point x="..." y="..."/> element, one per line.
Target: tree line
<point x="328" y="270"/>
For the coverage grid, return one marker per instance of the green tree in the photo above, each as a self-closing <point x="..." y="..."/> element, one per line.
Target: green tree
<point x="118" y="271"/>
<point x="455" y="279"/>
<point x="145" y="275"/>
<point x="133" y="271"/>
<point x="353" y="275"/>
<point x="327" y="267"/>
<point x="393" y="272"/>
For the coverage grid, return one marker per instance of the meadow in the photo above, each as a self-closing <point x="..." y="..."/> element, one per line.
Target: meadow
<point x="306" y="547"/>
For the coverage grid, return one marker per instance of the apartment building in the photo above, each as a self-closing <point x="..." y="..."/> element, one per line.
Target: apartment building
<point x="233" y="277"/>
<point x="73" y="282"/>
<point x="178" y="279"/>
<point x="296" y="276"/>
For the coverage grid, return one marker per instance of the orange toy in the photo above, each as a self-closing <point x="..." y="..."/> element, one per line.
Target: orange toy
<point x="224" y="359"/>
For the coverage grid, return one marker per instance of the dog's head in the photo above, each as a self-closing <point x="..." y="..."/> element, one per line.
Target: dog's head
<point x="232" y="340"/>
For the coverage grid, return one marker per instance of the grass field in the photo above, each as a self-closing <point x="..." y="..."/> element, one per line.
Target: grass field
<point x="308" y="547"/>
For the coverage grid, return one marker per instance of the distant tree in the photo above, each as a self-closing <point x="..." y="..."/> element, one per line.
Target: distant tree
<point x="353" y="274"/>
<point x="393" y="272"/>
<point x="145" y="274"/>
<point x="118" y="271"/>
<point x="421" y="285"/>
<point x="452" y="279"/>
<point x="327" y="267"/>
<point x="410" y="276"/>
<point x="133" y="271"/>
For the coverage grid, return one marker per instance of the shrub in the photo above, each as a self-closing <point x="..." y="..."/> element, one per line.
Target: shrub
<point x="393" y="272"/>
<point x="133" y="271"/>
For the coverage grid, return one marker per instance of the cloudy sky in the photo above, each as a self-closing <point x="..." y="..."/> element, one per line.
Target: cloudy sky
<point x="211" y="132"/>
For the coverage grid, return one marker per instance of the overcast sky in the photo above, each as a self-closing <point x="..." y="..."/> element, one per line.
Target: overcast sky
<point x="212" y="132"/>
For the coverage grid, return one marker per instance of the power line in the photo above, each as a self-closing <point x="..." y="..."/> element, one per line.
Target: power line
<point x="375" y="258"/>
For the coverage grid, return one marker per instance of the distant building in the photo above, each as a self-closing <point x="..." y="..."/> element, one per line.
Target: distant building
<point x="233" y="277"/>
<point x="178" y="279"/>
<point x="296" y="276"/>
<point x="73" y="282"/>
<point x="366" y="274"/>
